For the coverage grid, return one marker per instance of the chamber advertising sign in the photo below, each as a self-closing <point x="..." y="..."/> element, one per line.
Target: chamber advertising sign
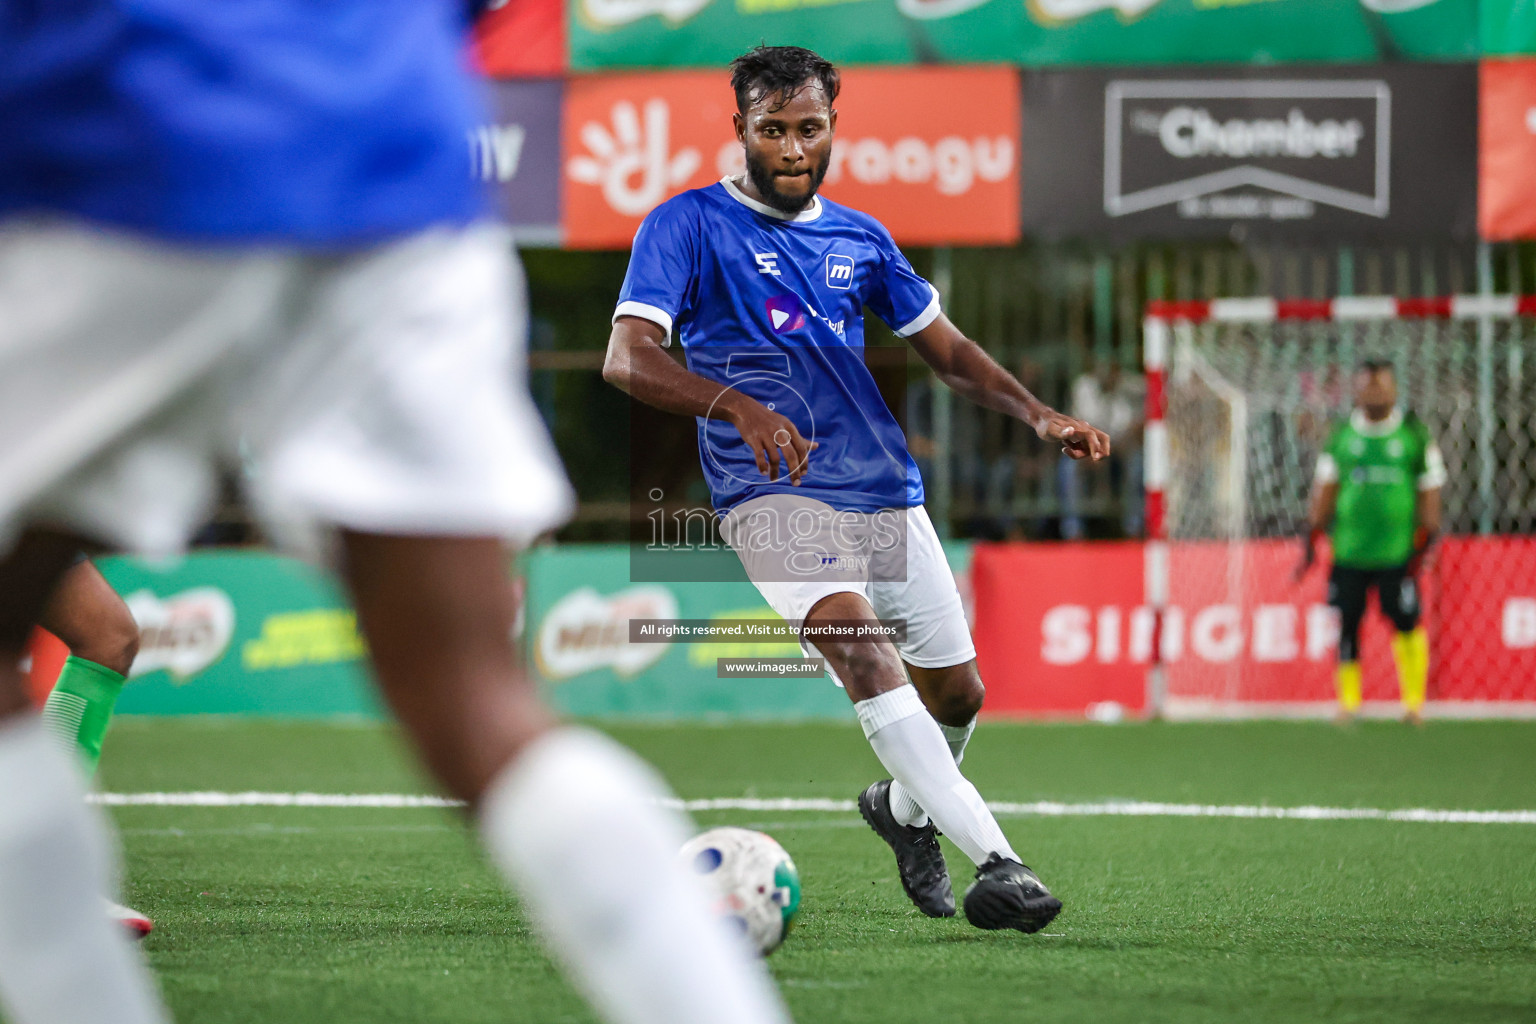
<point x="1364" y="153"/>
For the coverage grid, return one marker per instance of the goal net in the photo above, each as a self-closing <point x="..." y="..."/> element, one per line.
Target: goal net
<point x="1242" y="394"/>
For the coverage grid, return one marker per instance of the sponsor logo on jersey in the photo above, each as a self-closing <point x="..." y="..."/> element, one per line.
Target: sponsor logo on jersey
<point x="767" y="262"/>
<point x="840" y="272"/>
<point x="785" y="313"/>
<point x="838" y="562"/>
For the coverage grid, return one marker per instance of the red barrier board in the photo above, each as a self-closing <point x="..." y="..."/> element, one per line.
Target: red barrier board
<point x="1051" y="622"/>
<point x="47" y="653"/>
<point x="1062" y="626"/>
<point x="521" y="39"/>
<point x="932" y="170"/>
<point x="1484" y="639"/>
<point x="1506" y="191"/>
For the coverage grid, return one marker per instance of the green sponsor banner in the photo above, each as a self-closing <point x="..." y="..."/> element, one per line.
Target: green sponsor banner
<point x="1508" y="27"/>
<point x="709" y="33"/>
<point x="244" y="632"/>
<point x="580" y="601"/>
<point x="240" y="632"/>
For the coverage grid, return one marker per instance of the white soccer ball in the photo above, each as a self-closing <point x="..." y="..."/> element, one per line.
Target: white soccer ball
<point x="755" y="883"/>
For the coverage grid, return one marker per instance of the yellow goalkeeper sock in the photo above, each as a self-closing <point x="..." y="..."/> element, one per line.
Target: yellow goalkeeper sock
<point x="1349" y="686"/>
<point x="1411" y="652"/>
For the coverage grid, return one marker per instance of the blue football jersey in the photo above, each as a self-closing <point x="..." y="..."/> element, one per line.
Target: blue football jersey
<point x="289" y="121"/>
<point x="772" y="305"/>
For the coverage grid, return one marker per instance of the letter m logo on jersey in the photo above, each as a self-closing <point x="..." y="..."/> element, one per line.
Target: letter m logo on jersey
<point x="840" y="272"/>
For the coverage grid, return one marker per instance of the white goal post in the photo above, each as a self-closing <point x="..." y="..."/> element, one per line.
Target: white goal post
<point x="1240" y="395"/>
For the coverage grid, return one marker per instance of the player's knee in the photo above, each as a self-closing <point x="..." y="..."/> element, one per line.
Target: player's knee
<point x="1404" y="611"/>
<point x="863" y="668"/>
<point x="113" y="645"/>
<point x="962" y="700"/>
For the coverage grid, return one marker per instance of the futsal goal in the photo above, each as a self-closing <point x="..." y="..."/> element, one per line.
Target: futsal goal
<point x="1241" y="394"/>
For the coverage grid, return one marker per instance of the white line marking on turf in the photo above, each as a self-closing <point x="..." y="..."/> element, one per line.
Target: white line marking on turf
<point x="1041" y="808"/>
<point x="204" y="799"/>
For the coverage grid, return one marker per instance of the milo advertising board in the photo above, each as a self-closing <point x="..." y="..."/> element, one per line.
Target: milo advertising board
<point x="246" y="632"/>
<point x="240" y="632"/>
<point x="580" y="601"/>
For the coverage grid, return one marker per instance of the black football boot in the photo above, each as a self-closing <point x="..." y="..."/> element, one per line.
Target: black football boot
<point x="919" y="860"/>
<point x="1006" y="894"/>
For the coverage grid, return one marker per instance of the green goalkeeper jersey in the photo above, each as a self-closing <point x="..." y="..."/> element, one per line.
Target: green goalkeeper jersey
<point x="1380" y="469"/>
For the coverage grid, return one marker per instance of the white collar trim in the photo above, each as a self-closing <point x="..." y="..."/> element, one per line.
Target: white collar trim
<point x="1380" y="428"/>
<point x="808" y="214"/>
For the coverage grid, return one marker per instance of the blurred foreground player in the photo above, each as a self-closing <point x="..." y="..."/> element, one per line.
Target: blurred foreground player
<point x="92" y="621"/>
<point x="764" y="283"/>
<point x="1378" y="483"/>
<point x="254" y="219"/>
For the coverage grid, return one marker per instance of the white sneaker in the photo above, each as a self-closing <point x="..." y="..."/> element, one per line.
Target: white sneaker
<point x="135" y="923"/>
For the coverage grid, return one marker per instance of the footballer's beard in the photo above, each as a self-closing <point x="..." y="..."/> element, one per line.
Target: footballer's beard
<point x="766" y="183"/>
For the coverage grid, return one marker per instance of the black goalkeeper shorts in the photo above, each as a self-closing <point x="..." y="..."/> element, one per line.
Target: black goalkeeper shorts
<point x="1396" y="592"/>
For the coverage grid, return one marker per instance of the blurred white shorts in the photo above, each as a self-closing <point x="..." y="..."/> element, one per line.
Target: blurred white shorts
<point x="797" y="551"/>
<point x="381" y="390"/>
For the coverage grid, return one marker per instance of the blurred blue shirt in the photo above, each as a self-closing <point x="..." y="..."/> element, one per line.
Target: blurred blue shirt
<point x="321" y="123"/>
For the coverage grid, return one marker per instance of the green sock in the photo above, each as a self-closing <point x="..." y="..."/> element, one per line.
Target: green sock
<point x="79" y="709"/>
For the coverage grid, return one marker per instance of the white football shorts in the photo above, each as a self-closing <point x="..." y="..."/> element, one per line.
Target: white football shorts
<point x="381" y="390"/>
<point x="798" y="550"/>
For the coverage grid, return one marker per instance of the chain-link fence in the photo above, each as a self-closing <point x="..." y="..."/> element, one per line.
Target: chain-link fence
<point x="1250" y="405"/>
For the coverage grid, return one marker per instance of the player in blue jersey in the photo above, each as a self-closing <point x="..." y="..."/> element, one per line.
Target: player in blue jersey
<point x="248" y="228"/>
<point x="764" y="282"/>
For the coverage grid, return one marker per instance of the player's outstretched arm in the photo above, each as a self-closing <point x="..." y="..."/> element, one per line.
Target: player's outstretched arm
<point x="967" y="369"/>
<point x="638" y="365"/>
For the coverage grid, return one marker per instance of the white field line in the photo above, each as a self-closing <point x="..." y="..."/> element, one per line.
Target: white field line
<point x="1041" y="808"/>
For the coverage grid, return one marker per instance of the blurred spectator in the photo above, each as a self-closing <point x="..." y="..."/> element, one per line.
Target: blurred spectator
<point x="1114" y="402"/>
<point x="995" y="461"/>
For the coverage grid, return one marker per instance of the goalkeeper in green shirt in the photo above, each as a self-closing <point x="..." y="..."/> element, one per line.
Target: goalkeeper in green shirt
<point x="1378" y="483"/>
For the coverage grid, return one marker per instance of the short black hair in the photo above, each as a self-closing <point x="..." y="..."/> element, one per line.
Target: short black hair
<point x="781" y="72"/>
<point x="1375" y="364"/>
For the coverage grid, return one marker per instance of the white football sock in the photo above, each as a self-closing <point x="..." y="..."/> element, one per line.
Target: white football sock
<point x="575" y="822"/>
<point x="957" y="736"/>
<point x="908" y="811"/>
<point x="61" y="960"/>
<point x="910" y="744"/>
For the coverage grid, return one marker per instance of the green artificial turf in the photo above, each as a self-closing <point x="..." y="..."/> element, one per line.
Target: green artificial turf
<point x="343" y="915"/>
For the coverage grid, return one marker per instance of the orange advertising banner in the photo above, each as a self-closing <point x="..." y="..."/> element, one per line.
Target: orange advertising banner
<point x="1506" y="164"/>
<point x="933" y="170"/>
